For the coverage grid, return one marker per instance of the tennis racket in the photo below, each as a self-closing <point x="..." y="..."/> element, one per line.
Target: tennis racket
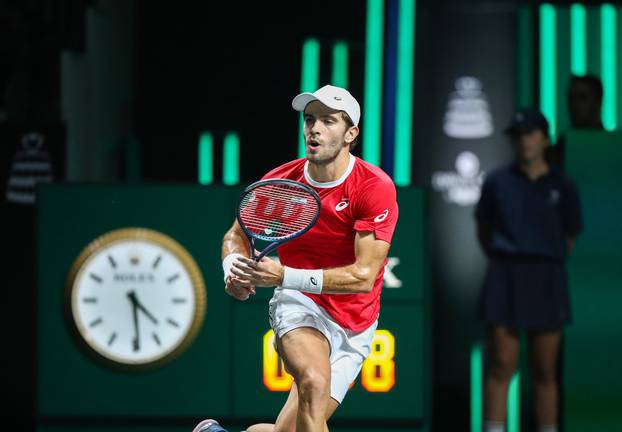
<point x="276" y="211"/>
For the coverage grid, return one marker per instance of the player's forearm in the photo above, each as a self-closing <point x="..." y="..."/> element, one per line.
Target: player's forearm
<point x="352" y="279"/>
<point x="356" y="278"/>
<point x="234" y="242"/>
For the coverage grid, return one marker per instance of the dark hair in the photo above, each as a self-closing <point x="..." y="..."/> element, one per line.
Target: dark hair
<point x="592" y="81"/>
<point x="349" y="124"/>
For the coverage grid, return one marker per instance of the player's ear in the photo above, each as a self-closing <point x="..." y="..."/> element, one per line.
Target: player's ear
<point x="351" y="134"/>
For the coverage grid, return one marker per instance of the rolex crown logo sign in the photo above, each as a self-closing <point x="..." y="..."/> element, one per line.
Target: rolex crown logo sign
<point x="468" y="113"/>
<point x="31" y="165"/>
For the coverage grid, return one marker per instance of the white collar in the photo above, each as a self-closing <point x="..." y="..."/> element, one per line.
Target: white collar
<point x="333" y="183"/>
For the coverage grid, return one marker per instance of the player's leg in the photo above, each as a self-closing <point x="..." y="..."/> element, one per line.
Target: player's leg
<point x="305" y="352"/>
<point x="503" y="349"/>
<point x="543" y="353"/>
<point x="286" y="421"/>
<point x="307" y="340"/>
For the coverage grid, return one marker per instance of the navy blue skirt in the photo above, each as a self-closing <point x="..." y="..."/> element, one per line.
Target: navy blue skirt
<point x="526" y="292"/>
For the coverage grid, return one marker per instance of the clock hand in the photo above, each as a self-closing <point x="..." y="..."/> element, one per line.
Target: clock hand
<point x="136" y="341"/>
<point x="139" y="305"/>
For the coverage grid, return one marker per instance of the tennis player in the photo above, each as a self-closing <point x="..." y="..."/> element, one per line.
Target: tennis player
<point x="326" y="303"/>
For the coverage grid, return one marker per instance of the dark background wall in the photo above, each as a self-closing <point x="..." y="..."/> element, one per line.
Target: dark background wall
<point x="122" y="90"/>
<point x="223" y="66"/>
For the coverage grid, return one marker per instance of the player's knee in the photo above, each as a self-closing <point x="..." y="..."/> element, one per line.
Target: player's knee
<point x="312" y="384"/>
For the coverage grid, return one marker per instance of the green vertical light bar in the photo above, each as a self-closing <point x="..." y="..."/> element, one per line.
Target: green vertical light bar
<point x="608" y="48"/>
<point x="476" y="387"/>
<point x="340" y="64"/>
<point x="563" y="66"/>
<point x="206" y="158"/>
<point x="514" y="404"/>
<point x="548" y="66"/>
<point x="372" y="107"/>
<point x="619" y="64"/>
<point x="231" y="159"/>
<point x="309" y="80"/>
<point x="578" y="41"/>
<point x="593" y="40"/>
<point x="404" y="90"/>
<point x="525" y="57"/>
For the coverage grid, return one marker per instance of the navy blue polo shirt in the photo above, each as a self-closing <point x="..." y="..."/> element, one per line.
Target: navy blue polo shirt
<point x="529" y="216"/>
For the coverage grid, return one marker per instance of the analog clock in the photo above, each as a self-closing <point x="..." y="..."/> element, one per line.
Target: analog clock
<point x="135" y="297"/>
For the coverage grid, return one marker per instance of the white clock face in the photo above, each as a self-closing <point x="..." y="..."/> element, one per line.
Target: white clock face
<point x="134" y="301"/>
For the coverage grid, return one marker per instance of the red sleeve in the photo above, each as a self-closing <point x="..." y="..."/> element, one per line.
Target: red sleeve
<point x="377" y="209"/>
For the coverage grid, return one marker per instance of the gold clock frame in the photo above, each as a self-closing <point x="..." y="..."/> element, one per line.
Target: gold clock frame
<point x="159" y="239"/>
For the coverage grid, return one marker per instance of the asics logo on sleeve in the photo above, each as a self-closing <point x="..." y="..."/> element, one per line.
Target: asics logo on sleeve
<point x="382" y="216"/>
<point x="342" y="204"/>
<point x="313" y="281"/>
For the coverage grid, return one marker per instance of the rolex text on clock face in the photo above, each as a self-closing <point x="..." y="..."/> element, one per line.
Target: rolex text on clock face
<point x="133" y="301"/>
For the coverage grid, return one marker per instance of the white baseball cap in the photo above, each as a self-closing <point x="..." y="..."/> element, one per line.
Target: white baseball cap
<point x="333" y="97"/>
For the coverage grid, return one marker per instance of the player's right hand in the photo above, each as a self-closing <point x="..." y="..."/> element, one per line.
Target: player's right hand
<point x="238" y="288"/>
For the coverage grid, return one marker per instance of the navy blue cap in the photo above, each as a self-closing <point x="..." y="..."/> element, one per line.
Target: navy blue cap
<point x="526" y="120"/>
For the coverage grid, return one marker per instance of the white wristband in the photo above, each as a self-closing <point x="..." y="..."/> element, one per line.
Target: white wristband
<point x="303" y="280"/>
<point x="227" y="263"/>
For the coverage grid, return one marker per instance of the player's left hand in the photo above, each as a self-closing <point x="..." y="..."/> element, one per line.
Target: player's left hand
<point x="266" y="272"/>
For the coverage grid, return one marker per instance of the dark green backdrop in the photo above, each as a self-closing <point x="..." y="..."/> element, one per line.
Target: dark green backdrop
<point x="593" y="343"/>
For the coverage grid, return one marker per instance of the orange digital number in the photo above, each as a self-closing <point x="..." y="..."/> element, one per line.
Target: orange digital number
<point x="274" y="376"/>
<point x="378" y="373"/>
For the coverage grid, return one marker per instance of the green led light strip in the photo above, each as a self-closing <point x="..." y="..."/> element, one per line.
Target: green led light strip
<point x="514" y="404"/>
<point x="578" y="41"/>
<point x="548" y="66"/>
<point x="206" y="158"/>
<point x="404" y="93"/>
<point x="231" y="159"/>
<point x="372" y="107"/>
<point x="525" y="57"/>
<point x="309" y="81"/>
<point x="340" y="64"/>
<point x="476" y="387"/>
<point x="608" y="66"/>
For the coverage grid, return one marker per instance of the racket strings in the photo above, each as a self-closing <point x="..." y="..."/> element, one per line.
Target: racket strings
<point x="278" y="210"/>
<point x="260" y="223"/>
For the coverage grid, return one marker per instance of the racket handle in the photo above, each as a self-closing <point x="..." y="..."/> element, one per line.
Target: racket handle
<point x="266" y="251"/>
<point x="251" y="250"/>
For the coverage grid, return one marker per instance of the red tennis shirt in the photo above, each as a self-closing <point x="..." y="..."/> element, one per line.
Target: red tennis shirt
<point x="363" y="199"/>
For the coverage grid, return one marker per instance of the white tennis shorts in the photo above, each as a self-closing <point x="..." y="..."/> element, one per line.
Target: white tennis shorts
<point x="291" y="309"/>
